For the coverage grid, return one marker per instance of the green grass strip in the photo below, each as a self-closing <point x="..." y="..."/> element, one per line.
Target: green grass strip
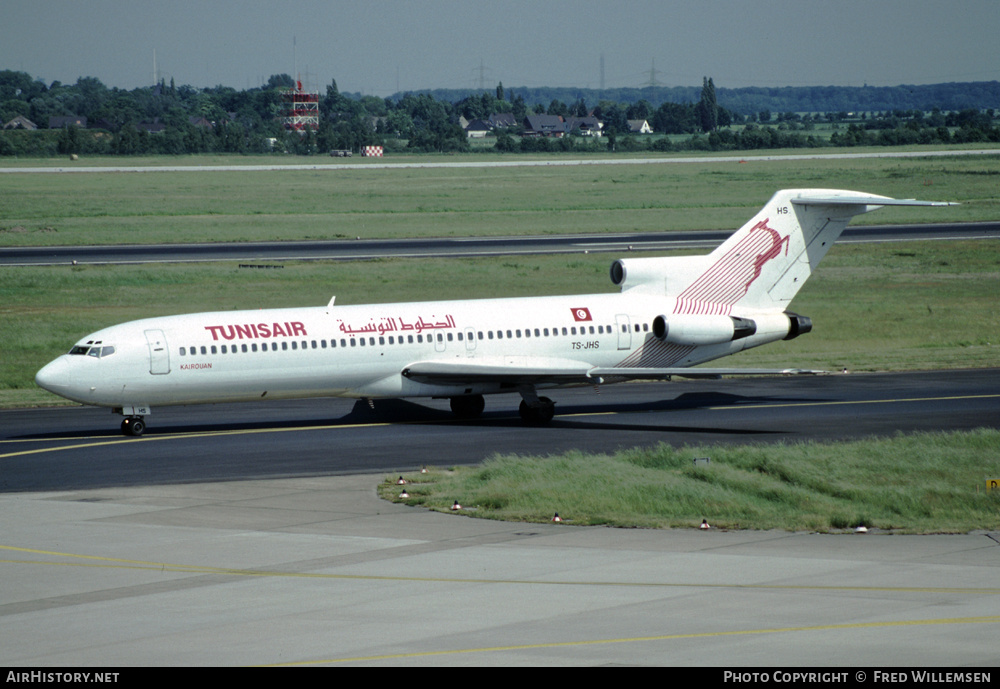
<point x="922" y="483"/>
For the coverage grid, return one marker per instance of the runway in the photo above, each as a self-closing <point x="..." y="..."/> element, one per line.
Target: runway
<point x="251" y="535"/>
<point x="339" y="250"/>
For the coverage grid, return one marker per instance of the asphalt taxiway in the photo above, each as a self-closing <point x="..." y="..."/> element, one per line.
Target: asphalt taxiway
<point x="252" y="535"/>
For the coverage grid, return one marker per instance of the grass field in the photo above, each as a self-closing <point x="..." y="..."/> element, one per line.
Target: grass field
<point x="923" y="483"/>
<point x="196" y="206"/>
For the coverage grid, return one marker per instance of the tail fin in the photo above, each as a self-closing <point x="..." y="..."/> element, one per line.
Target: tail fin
<point x="764" y="264"/>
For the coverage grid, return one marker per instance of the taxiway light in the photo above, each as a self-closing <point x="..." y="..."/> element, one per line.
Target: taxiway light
<point x="556" y="517"/>
<point x="704" y="525"/>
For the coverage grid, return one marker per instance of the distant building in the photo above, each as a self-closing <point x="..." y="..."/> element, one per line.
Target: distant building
<point x="200" y="122"/>
<point x="64" y="121"/>
<point x="544" y="125"/>
<point x="639" y="127"/>
<point x="503" y="120"/>
<point x="21" y="122"/>
<point x="587" y="126"/>
<point x="154" y="127"/>
<point x="478" y="129"/>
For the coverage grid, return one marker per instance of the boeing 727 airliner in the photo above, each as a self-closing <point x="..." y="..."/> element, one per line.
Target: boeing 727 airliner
<point x="672" y="313"/>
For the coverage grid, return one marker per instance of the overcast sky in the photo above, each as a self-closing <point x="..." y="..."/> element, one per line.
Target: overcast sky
<point x="381" y="46"/>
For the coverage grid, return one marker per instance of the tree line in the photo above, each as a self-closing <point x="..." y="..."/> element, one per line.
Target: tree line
<point x="225" y="120"/>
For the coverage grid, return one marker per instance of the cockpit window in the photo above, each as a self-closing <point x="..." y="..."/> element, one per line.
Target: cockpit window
<point x="95" y="350"/>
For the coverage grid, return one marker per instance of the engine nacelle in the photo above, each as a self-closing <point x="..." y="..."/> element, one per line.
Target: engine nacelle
<point x="702" y="330"/>
<point x="797" y="325"/>
<point x="653" y="274"/>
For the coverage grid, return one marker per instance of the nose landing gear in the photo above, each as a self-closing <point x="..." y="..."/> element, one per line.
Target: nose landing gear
<point x="133" y="426"/>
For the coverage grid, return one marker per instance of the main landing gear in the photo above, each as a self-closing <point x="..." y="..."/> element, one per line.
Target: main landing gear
<point x="534" y="410"/>
<point x="538" y="414"/>
<point x="133" y="426"/>
<point x="468" y="406"/>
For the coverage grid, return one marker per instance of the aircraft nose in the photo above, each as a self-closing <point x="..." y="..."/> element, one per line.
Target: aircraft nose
<point x="55" y="377"/>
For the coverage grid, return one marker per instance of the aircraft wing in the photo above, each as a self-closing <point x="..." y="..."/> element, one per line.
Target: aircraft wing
<point x="541" y="370"/>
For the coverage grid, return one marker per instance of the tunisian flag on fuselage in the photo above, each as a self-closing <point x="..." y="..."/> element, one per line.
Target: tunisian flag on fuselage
<point x="581" y="315"/>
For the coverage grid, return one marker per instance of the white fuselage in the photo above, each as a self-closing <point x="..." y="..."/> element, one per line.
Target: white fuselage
<point x="361" y="351"/>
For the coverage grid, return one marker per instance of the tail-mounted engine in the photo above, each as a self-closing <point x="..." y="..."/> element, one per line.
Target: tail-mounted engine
<point x="797" y="325"/>
<point x="702" y="330"/>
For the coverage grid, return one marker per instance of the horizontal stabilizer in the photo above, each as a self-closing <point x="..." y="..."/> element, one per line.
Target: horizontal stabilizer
<point x="866" y="200"/>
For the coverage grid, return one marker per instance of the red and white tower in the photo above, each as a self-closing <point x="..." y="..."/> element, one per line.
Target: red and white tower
<point x="301" y="109"/>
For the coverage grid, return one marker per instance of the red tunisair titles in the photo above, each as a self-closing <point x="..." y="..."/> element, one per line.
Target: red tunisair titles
<point x="251" y="331"/>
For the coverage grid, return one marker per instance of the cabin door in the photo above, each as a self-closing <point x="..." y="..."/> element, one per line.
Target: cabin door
<point x="159" y="355"/>
<point x="624" y="331"/>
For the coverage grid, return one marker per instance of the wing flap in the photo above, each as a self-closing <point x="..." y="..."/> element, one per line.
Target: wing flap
<point x="519" y="370"/>
<point x="694" y="372"/>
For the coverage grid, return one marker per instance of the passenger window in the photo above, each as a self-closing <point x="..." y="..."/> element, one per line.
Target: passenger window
<point x="253" y="347"/>
<point x="381" y="341"/>
<point x="244" y="348"/>
<point x="214" y="351"/>
<point x="182" y="351"/>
